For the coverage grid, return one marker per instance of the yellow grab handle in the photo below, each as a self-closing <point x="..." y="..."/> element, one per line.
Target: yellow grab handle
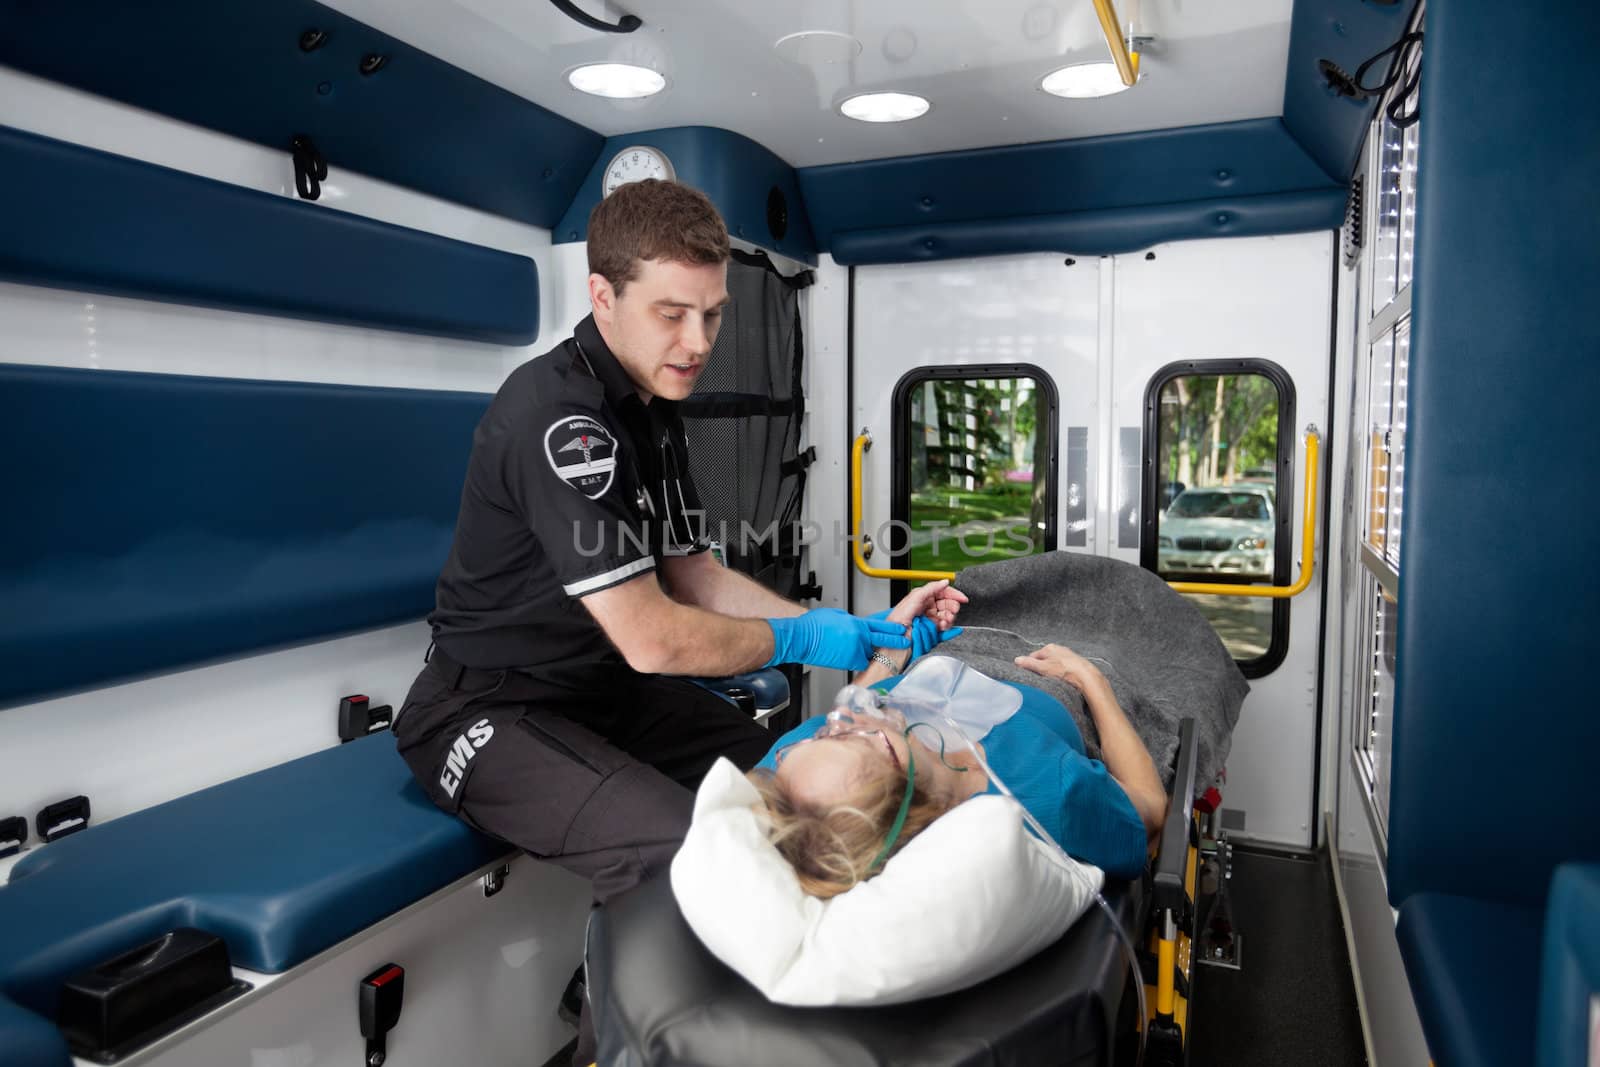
<point x="1307" y="535"/>
<point x="864" y="442"/>
<point x="1308" y="542"/>
<point x="1126" y="65"/>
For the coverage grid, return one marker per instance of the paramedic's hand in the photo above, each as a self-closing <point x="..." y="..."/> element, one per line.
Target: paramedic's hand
<point x="926" y="636"/>
<point x="1058" y="661"/>
<point x="930" y="611"/>
<point x="828" y="637"/>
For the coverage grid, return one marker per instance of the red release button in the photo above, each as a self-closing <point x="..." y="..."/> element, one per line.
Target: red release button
<point x="388" y="976"/>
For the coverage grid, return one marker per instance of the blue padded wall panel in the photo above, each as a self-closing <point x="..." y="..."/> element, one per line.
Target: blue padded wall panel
<point x="90" y="220"/>
<point x="1495" y="730"/>
<point x="237" y="67"/>
<point x="734" y="171"/>
<point x="1348" y="32"/>
<point x="1095" y="233"/>
<point x="1330" y="126"/>
<point x="1473" y="966"/>
<point x="158" y="520"/>
<point x="1226" y="164"/>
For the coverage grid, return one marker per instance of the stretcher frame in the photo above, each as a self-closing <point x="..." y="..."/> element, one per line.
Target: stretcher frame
<point x="1173" y="915"/>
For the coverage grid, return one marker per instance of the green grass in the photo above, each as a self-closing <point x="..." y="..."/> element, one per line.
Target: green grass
<point x="956" y="506"/>
<point x="961" y="505"/>
<point x="950" y="557"/>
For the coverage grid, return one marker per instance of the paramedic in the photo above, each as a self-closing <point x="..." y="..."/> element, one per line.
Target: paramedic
<point x="578" y="584"/>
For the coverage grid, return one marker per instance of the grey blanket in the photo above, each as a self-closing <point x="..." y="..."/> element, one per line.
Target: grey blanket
<point x="1162" y="658"/>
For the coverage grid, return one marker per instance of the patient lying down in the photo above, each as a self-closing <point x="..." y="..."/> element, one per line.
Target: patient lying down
<point x="845" y="792"/>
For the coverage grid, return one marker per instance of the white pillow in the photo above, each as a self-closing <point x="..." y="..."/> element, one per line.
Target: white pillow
<point x="971" y="896"/>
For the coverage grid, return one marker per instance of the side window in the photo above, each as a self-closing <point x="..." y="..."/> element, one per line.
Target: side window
<point x="1381" y="414"/>
<point x="974" y="466"/>
<point x="1373" y="722"/>
<point x="1217" y="497"/>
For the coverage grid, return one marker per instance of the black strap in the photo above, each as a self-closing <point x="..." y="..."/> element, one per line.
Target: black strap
<point x="799" y="280"/>
<point x="799" y="463"/>
<point x="733" y="406"/>
<point x="310" y="169"/>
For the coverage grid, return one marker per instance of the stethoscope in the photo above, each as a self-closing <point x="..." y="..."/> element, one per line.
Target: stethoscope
<point x="669" y="463"/>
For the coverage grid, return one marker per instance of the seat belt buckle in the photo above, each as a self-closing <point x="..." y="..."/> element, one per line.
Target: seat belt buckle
<point x="378" y="1004"/>
<point x="358" y="718"/>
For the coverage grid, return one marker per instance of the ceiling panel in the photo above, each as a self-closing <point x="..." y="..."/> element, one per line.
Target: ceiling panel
<point x="978" y="61"/>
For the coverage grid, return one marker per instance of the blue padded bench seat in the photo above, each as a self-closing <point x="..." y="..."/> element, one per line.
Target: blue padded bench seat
<point x="1474" y="970"/>
<point x="281" y="864"/>
<point x="1571" y="969"/>
<point x="170" y="519"/>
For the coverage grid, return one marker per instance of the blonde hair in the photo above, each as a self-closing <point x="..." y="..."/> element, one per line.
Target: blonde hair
<point x="832" y="848"/>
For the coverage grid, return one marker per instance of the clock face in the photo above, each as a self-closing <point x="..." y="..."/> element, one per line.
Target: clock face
<point x="635" y="164"/>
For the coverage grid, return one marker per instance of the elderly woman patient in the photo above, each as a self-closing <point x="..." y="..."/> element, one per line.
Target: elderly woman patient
<point x="846" y="791"/>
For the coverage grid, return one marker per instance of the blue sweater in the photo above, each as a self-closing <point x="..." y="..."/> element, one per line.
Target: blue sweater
<point x="1039" y="754"/>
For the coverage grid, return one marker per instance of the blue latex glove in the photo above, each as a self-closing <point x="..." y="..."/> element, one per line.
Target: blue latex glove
<point x="926" y="635"/>
<point x="828" y="637"/>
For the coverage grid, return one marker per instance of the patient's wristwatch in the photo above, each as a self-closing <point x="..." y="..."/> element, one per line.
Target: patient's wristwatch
<point x="884" y="661"/>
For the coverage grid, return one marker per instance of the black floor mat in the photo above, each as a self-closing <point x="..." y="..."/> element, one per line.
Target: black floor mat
<point x="1293" y="1000"/>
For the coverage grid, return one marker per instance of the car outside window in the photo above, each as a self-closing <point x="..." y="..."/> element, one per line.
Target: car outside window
<point x="1215" y="446"/>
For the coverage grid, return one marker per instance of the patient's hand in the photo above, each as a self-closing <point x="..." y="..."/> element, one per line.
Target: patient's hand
<point x="1058" y="661"/>
<point x="939" y="601"/>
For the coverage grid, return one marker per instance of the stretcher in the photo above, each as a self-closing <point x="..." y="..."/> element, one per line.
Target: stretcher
<point x="659" y="996"/>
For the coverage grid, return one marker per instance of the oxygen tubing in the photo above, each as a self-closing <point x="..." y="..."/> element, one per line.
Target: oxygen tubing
<point x="1033" y="824"/>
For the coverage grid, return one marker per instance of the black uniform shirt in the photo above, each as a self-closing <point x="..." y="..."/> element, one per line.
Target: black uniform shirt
<point x="574" y="485"/>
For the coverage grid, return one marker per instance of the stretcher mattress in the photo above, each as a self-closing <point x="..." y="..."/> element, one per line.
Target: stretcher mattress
<point x="660" y="997"/>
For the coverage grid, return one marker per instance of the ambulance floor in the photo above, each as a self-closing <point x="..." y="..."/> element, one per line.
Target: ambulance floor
<point x="1292" y="1001"/>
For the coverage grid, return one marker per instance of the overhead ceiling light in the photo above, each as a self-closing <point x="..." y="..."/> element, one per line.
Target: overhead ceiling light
<point x="616" y="81"/>
<point x="884" y="107"/>
<point x="1083" y="80"/>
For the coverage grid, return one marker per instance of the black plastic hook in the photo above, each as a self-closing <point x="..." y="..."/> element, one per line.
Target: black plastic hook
<point x="310" y="169"/>
<point x="626" y="24"/>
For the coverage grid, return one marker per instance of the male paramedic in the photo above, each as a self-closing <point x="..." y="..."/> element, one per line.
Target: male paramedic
<point x="578" y="587"/>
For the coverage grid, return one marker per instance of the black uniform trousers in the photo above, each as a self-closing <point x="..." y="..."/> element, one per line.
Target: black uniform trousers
<point x="599" y="781"/>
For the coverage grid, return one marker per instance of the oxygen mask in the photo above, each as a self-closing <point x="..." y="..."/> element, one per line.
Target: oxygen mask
<point x="859" y="710"/>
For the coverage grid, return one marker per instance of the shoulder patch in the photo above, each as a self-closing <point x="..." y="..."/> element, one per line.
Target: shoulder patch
<point x="583" y="454"/>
